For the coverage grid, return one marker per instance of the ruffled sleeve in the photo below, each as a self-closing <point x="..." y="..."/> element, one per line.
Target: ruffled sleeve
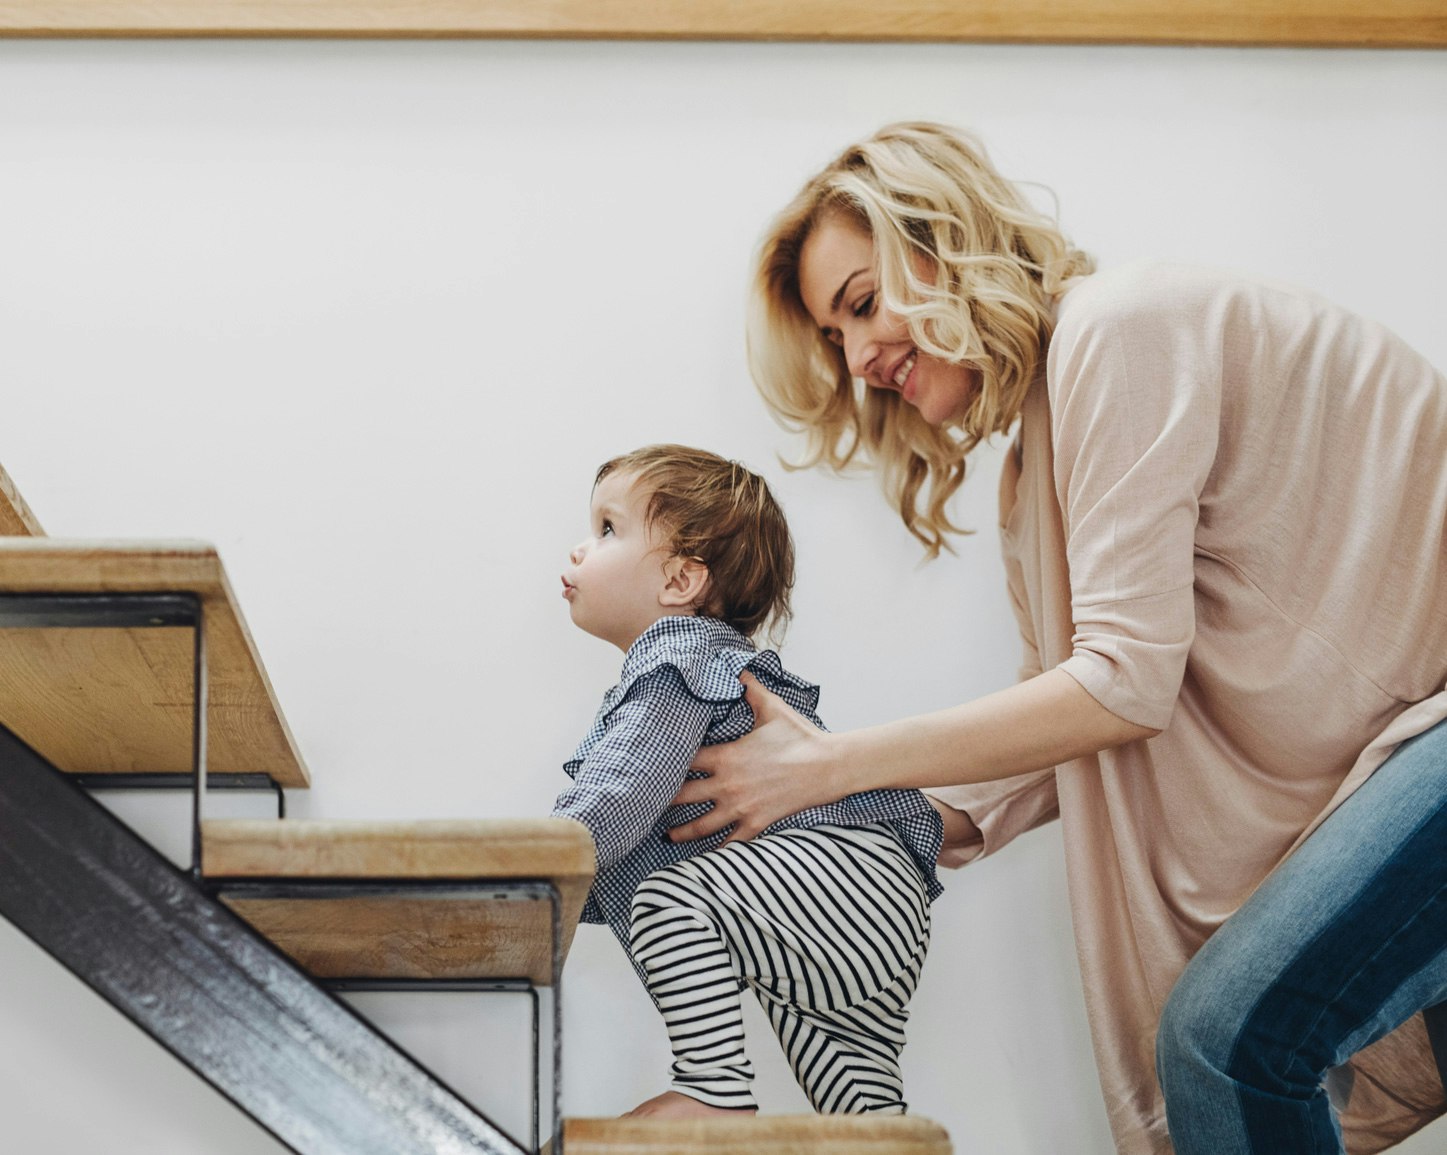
<point x="678" y="678"/>
<point x="708" y="656"/>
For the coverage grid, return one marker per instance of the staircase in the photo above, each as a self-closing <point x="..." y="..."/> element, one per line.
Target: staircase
<point x="129" y="664"/>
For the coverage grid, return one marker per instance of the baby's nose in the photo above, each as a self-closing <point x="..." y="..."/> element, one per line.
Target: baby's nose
<point x="575" y="555"/>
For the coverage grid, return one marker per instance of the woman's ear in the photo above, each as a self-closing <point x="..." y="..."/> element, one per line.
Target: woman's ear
<point x="685" y="582"/>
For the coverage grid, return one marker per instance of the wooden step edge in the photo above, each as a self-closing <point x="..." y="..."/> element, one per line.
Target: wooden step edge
<point x="758" y="1135"/>
<point x="555" y="848"/>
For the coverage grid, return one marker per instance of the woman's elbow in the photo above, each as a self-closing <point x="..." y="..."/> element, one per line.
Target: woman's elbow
<point x="1123" y="731"/>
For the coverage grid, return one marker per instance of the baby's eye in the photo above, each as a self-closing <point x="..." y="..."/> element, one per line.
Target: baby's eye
<point x="607" y="530"/>
<point x="865" y="306"/>
<point x="833" y="336"/>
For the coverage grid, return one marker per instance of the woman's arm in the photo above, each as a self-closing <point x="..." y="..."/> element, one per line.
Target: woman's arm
<point x="786" y="764"/>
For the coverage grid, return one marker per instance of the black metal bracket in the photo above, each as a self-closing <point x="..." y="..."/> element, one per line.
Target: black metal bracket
<point x="202" y="983"/>
<point x="112" y="610"/>
<point x="159" y="781"/>
<point x="513" y="890"/>
<point x="149" y="610"/>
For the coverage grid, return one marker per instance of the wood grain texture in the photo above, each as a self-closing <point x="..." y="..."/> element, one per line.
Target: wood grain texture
<point x="419" y="936"/>
<point x="461" y="933"/>
<point x="119" y="700"/>
<point x="553" y="848"/>
<point x="1393" y="23"/>
<point x="16" y="519"/>
<point x="758" y="1135"/>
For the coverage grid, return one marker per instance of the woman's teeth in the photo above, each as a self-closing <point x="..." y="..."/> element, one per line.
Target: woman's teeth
<point x="901" y="375"/>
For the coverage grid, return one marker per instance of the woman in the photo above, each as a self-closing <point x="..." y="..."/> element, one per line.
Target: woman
<point x="1223" y="522"/>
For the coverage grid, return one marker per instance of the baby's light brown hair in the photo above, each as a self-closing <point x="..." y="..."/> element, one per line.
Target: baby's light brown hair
<point x="723" y="515"/>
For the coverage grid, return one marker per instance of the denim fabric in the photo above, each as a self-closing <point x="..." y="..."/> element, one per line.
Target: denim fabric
<point x="1343" y="942"/>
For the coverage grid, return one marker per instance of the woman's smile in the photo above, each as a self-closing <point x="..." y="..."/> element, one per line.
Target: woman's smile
<point x="906" y="367"/>
<point x="839" y="285"/>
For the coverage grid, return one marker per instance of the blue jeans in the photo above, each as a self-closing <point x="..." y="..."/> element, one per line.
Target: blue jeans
<point x="1343" y="942"/>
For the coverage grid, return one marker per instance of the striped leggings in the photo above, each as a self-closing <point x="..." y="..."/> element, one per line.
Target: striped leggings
<point x="829" y="927"/>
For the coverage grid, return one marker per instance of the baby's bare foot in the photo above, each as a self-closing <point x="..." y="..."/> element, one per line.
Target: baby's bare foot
<point x="672" y="1105"/>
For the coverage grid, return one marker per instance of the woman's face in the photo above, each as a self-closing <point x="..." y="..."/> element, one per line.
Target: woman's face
<point x="839" y="284"/>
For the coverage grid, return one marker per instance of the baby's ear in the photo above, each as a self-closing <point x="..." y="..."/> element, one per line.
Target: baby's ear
<point x="685" y="582"/>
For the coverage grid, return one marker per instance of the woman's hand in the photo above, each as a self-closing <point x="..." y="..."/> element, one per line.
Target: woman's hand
<point x="780" y="768"/>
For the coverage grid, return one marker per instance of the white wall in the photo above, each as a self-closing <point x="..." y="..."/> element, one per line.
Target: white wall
<point x="367" y="315"/>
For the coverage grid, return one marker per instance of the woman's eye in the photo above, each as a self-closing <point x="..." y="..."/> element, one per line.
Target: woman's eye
<point x="865" y="306"/>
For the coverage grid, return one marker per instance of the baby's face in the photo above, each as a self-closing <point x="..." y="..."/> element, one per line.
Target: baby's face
<point x="615" y="576"/>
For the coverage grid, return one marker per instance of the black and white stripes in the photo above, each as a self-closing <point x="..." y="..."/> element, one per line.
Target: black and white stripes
<point x="680" y="689"/>
<point x="829" y="928"/>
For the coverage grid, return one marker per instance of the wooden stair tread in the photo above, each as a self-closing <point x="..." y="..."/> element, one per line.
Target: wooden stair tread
<point x="456" y="932"/>
<point x="432" y="848"/>
<point x="102" y="701"/>
<point x="758" y="1135"/>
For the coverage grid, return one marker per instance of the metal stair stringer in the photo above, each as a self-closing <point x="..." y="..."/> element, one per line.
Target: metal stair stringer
<point x="202" y="983"/>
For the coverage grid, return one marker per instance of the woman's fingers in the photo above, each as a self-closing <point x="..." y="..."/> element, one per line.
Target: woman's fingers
<point x="712" y="823"/>
<point x="702" y="790"/>
<point x="720" y="817"/>
<point x="712" y="789"/>
<point x="701" y="827"/>
<point x="695" y="790"/>
<point x="762" y="701"/>
<point x="752" y="781"/>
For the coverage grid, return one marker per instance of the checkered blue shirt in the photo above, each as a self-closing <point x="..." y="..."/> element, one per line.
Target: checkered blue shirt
<point x="680" y="690"/>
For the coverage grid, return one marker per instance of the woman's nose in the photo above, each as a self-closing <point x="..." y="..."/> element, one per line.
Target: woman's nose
<point x="860" y="351"/>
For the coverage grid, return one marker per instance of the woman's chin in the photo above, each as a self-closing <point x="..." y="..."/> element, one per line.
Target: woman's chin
<point x="940" y="416"/>
<point x="944" y="408"/>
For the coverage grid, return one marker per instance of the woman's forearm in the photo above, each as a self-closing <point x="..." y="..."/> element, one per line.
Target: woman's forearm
<point x="786" y="765"/>
<point x="1033" y="725"/>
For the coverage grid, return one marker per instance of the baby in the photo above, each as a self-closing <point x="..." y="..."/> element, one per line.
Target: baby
<point x="826" y="914"/>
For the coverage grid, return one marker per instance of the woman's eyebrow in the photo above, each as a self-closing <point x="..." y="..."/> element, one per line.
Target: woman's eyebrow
<point x="839" y="296"/>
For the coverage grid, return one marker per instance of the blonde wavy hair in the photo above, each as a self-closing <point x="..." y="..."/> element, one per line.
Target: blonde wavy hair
<point x="981" y="297"/>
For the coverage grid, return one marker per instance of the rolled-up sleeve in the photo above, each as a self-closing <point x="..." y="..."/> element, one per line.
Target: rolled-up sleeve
<point x="1001" y="810"/>
<point x="1135" y="414"/>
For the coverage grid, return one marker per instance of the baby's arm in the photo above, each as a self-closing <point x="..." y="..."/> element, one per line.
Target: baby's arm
<point x="631" y="774"/>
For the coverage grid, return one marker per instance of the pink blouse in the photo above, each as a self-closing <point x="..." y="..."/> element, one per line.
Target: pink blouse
<point x="1229" y="525"/>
